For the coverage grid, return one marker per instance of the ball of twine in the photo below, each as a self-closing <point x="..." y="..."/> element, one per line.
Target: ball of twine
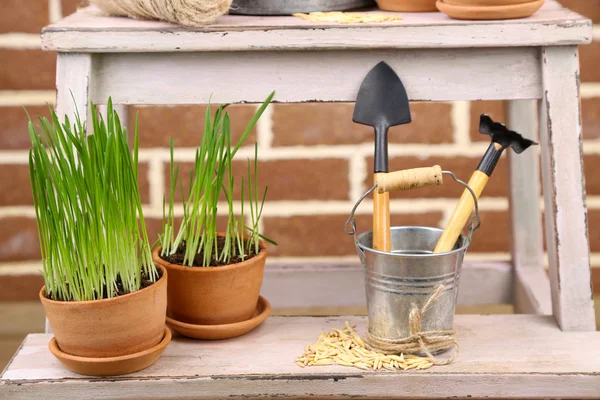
<point x="184" y="12"/>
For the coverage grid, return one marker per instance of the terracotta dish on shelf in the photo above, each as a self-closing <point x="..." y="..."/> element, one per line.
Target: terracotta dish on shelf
<point x="490" y="12"/>
<point x="486" y="3"/>
<point x="111" y="366"/>
<point x="223" y="331"/>
<point x="407" y="5"/>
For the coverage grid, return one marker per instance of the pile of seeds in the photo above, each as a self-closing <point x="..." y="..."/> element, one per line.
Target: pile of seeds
<point x="345" y="347"/>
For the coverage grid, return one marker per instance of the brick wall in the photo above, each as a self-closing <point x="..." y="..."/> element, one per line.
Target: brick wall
<point x="314" y="159"/>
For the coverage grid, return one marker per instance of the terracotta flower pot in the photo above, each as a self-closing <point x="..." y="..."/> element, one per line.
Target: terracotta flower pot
<point x="113" y="327"/>
<point x="214" y="295"/>
<point x="407" y="5"/>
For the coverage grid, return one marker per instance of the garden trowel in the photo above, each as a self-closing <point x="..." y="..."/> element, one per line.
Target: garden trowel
<point x="382" y="102"/>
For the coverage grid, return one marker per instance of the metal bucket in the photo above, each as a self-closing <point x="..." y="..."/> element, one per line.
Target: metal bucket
<point x="409" y="274"/>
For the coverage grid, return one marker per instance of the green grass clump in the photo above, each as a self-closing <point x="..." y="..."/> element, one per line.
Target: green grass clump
<point x="91" y="227"/>
<point x="212" y="179"/>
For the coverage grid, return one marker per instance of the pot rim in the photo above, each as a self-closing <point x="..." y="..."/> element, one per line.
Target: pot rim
<point x="123" y="297"/>
<point x="260" y="256"/>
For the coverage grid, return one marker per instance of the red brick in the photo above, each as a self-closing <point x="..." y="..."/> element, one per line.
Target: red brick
<point x="19" y="239"/>
<point x="589" y="58"/>
<point x="494" y="234"/>
<point x="590" y="110"/>
<point x="591" y="163"/>
<point x="323" y="235"/>
<point x="495" y="109"/>
<point x="27" y="69"/>
<point x="20" y="287"/>
<point x="462" y="167"/>
<point x="590" y="9"/>
<point x="29" y="17"/>
<point x="594" y="232"/>
<point x="331" y="123"/>
<point x="70" y="6"/>
<point x="14" y="134"/>
<point x="16" y="190"/>
<point x="322" y="179"/>
<point x="185" y="124"/>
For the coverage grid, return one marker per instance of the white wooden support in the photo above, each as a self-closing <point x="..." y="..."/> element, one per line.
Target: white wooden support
<point x="564" y="190"/>
<point x="73" y="79"/>
<point x="531" y="288"/>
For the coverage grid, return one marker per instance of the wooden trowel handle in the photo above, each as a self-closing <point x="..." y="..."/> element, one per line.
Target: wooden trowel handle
<point x="381" y="219"/>
<point x="461" y="213"/>
<point x="409" y="179"/>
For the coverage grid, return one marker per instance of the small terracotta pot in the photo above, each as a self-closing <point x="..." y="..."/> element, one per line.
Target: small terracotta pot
<point x="407" y="5"/>
<point x="214" y="295"/>
<point x="113" y="327"/>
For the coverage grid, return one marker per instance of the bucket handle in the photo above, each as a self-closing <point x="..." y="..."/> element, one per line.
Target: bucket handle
<point x="350" y="226"/>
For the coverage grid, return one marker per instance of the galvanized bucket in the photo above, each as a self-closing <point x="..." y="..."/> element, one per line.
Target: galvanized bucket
<point x="406" y="277"/>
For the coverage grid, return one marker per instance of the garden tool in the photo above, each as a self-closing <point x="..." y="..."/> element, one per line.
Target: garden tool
<point x="381" y="102"/>
<point x="502" y="138"/>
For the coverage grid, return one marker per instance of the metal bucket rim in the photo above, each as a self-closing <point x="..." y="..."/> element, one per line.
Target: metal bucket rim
<point x="463" y="248"/>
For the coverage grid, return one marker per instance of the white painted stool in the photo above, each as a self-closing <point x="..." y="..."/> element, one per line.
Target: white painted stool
<point x="552" y="352"/>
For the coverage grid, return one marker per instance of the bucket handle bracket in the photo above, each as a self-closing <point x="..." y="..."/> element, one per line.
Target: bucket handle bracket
<point x="350" y="226"/>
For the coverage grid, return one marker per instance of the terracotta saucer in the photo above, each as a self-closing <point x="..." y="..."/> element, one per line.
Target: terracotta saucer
<point x="224" y="331"/>
<point x="486" y="3"/>
<point x="110" y="366"/>
<point x="490" y="12"/>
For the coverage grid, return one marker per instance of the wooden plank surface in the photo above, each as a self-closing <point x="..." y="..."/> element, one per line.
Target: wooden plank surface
<point x="501" y="356"/>
<point x="301" y="285"/>
<point x="196" y="78"/>
<point x="87" y="31"/>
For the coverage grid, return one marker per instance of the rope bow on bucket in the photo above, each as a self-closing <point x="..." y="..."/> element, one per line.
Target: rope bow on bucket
<point x="418" y="341"/>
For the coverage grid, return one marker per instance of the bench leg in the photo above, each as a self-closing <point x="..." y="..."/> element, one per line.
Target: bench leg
<point x="73" y="83"/>
<point x="564" y="190"/>
<point x="531" y="286"/>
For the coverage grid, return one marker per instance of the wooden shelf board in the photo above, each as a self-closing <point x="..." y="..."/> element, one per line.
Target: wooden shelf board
<point x="89" y="31"/>
<point x="501" y="356"/>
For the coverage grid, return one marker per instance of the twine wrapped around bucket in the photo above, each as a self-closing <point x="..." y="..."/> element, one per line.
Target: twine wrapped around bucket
<point x="184" y="12"/>
<point x="418" y="341"/>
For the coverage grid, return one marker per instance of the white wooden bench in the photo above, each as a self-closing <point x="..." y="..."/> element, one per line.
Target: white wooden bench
<point x="551" y="352"/>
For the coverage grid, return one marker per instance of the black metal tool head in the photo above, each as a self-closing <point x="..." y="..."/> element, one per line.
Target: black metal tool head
<point x="502" y="135"/>
<point x="502" y="138"/>
<point x="382" y="102"/>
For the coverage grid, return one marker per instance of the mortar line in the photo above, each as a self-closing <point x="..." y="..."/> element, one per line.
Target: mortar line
<point x="21" y="98"/>
<point x="596" y="32"/>
<point x="156" y="180"/>
<point x="323" y="151"/>
<point x="590" y="90"/>
<point x="357" y="174"/>
<point x="16" y="40"/>
<point x="264" y="128"/>
<point x="54" y="10"/>
<point x="460" y="116"/>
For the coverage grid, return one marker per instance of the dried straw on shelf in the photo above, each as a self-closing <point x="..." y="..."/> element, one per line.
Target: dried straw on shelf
<point x="345" y="347"/>
<point x="184" y="12"/>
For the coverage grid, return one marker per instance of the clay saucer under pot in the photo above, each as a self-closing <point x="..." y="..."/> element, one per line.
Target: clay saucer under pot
<point x="486" y="3"/>
<point x="223" y="331"/>
<point x="111" y="366"/>
<point x="407" y="5"/>
<point x="489" y="12"/>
